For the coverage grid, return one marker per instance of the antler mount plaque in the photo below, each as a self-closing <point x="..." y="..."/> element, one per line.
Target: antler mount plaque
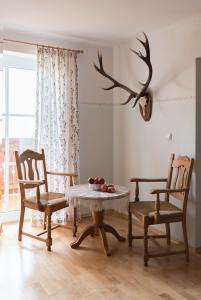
<point x="144" y="96"/>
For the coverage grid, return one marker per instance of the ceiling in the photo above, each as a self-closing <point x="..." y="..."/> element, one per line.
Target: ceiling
<point x="100" y="20"/>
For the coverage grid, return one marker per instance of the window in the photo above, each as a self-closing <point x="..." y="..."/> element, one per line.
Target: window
<point x="17" y="126"/>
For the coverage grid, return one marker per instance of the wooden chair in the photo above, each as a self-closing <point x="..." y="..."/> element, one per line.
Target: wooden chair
<point x="48" y="202"/>
<point x="163" y="212"/>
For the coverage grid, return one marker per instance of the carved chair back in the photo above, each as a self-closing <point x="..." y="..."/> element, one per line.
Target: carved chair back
<point x="179" y="177"/>
<point x="31" y="166"/>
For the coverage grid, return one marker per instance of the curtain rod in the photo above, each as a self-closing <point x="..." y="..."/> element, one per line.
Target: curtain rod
<point x="34" y="44"/>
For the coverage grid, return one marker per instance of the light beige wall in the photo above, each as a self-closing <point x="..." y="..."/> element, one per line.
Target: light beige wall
<point x="140" y="148"/>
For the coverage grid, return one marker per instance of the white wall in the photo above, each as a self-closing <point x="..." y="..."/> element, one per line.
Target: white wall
<point x="96" y="114"/>
<point x="140" y="148"/>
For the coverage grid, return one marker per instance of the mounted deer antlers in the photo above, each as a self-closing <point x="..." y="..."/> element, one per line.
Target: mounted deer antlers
<point x="144" y="97"/>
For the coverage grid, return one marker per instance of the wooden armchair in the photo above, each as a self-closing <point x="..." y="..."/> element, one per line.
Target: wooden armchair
<point x="163" y="212"/>
<point x="47" y="202"/>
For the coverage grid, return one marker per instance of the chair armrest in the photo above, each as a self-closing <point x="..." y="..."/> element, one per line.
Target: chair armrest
<point x="168" y="191"/>
<point x="137" y="180"/>
<point x="32" y="182"/>
<point x="62" y="173"/>
<point x="148" y="179"/>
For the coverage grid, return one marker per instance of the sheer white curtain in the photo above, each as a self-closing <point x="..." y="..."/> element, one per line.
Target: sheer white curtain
<point x="57" y="116"/>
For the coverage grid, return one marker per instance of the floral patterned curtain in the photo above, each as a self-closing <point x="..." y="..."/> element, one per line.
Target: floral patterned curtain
<point x="57" y="119"/>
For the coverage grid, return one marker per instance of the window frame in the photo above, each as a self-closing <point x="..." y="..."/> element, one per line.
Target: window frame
<point x="12" y="60"/>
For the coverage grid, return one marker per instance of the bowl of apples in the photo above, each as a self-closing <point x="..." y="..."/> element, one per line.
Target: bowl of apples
<point x="95" y="183"/>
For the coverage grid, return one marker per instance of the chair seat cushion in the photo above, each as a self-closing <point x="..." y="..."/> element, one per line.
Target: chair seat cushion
<point x="55" y="200"/>
<point x="143" y="209"/>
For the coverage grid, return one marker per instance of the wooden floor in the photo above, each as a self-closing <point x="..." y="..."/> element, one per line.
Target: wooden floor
<point x="28" y="271"/>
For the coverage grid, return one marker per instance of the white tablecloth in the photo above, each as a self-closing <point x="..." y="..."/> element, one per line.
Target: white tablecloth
<point x="96" y="200"/>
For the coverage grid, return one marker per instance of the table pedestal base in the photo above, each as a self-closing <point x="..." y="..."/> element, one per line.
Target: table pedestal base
<point x="98" y="226"/>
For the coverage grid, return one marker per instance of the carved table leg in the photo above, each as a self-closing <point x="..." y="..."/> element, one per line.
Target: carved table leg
<point x="96" y="232"/>
<point x="98" y="226"/>
<point x="110" y="229"/>
<point x="89" y="230"/>
<point x="104" y="240"/>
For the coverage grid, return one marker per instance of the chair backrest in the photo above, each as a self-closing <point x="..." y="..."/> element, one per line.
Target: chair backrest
<point x="31" y="166"/>
<point x="180" y="173"/>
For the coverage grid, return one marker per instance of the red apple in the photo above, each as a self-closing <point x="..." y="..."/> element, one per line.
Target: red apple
<point x="96" y="181"/>
<point x="110" y="185"/>
<point x="111" y="189"/>
<point x="101" y="180"/>
<point x="91" y="180"/>
<point x="103" y="188"/>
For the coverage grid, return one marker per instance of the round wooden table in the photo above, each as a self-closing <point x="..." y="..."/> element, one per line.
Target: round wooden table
<point x="98" y="201"/>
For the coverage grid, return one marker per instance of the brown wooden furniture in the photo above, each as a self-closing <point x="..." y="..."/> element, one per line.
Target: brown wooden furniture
<point x="163" y="212"/>
<point x="98" y="202"/>
<point x="100" y="227"/>
<point x="28" y="170"/>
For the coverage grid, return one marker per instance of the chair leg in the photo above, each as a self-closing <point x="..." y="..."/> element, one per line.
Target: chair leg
<point x="145" y="244"/>
<point x="130" y="239"/>
<point x="49" y="238"/>
<point x="74" y="221"/>
<point x="21" y="222"/>
<point x="45" y="221"/>
<point x="185" y="239"/>
<point x="167" y="225"/>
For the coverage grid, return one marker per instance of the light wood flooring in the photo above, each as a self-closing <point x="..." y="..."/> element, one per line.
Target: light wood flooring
<point x="28" y="271"/>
